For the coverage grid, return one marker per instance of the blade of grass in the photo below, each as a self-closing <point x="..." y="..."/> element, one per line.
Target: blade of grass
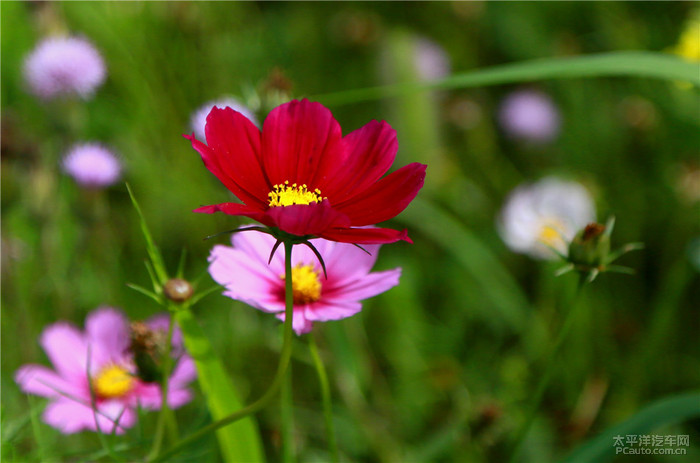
<point x="476" y="258"/>
<point x="667" y="411"/>
<point x="239" y="441"/>
<point x="151" y="248"/>
<point x="624" y="63"/>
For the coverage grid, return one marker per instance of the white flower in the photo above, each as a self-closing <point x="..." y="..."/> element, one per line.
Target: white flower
<point x="64" y="66"/>
<point x="92" y="165"/>
<point x="546" y="213"/>
<point x="199" y="117"/>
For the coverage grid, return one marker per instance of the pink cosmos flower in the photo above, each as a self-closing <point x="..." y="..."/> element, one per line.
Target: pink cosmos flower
<point x="64" y="66"/>
<point x="100" y="356"/>
<point x="244" y="271"/>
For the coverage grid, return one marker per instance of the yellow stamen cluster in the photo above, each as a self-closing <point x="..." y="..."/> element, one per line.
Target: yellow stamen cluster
<point x="113" y="381"/>
<point x="551" y="235"/>
<point x="306" y="284"/>
<point x="284" y="194"/>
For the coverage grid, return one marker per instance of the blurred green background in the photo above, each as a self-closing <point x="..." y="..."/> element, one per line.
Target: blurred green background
<point x="441" y="367"/>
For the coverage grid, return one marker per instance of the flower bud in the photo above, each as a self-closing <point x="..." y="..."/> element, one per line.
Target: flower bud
<point x="590" y="247"/>
<point x="178" y="290"/>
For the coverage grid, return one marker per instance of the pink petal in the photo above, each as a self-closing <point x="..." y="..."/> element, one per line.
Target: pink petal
<point x="386" y="198"/>
<point x="271" y="305"/>
<point x="300" y="324"/>
<point x="115" y="414"/>
<point x="297" y="136"/>
<point x="177" y="397"/>
<point x="257" y="246"/>
<point x="368" y="154"/>
<point x="365" y="287"/>
<point x="107" y="332"/>
<point x="66" y="347"/>
<point x="70" y="416"/>
<point x="148" y="395"/>
<point x="39" y="380"/>
<point x="346" y="262"/>
<point x="244" y="277"/>
<point x="325" y="310"/>
<point x="185" y="371"/>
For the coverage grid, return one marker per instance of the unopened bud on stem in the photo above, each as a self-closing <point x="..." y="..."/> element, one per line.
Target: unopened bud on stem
<point x="178" y="290"/>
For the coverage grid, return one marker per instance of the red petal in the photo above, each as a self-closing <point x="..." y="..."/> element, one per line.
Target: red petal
<point x="386" y="198"/>
<point x="236" y="142"/>
<point x="368" y="154"/>
<point x="212" y="162"/>
<point x="307" y="219"/>
<point x="234" y="209"/>
<point x="296" y="137"/>
<point x="366" y="235"/>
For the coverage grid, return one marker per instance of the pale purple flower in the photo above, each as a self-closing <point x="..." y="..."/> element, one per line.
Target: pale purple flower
<point x="100" y="356"/>
<point x="244" y="272"/>
<point x="64" y="66"/>
<point x="545" y="214"/>
<point x="431" y="60"/>
<point x="530" y="115"/>
<point x="199" y="118"/>
<point x="92" y="165"/>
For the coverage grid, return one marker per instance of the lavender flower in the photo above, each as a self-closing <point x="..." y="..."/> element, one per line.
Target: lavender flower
<point x="530" y="115"/>
<point x="92" y="165"/>
<point x="199" y="117"/>
<point x="431" y="61"/>
<point x="64" y="66"/>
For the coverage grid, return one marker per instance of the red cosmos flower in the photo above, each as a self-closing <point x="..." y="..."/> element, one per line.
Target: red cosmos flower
<point x="303" y="177"/>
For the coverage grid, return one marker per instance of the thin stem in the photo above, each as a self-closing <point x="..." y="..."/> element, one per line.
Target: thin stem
<point x="326" y="396"/>
<point x="287" y="418"/>
<point x="549" y="370"/>
<point x="263" y="401"/>
<point x="160" y="427"/>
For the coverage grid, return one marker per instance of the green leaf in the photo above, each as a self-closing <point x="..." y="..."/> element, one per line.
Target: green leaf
<point x="153" y="252"/>
<point x="667" y="411"/>
<point x="239" y="441"/>
<point x="624" y="63"/>
<point x="474" y="256"/>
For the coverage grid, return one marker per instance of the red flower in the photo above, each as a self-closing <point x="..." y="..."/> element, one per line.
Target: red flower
<point x="302" y="176"/>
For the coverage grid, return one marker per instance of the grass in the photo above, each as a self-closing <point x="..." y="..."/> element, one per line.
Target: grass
<point x="441" y="367"/>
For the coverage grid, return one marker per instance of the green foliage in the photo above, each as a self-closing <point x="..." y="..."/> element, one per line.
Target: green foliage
<point x="664" y="412"/>
<point x="443" y="367"/>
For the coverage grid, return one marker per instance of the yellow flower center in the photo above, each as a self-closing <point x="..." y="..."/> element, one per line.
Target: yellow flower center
<point x="306" y="284"/>
<point x="284" y="194"/>
<point x="551" y="236"/>
<point x="112" y="381"/>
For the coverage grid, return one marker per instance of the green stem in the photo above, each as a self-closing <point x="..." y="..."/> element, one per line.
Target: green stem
<point x="547" y="375"/>
<point x="326" y="395"/>
<point x="287" y="418"/>
<point x="160" y="427"/>
<point x="263" y="401"/>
